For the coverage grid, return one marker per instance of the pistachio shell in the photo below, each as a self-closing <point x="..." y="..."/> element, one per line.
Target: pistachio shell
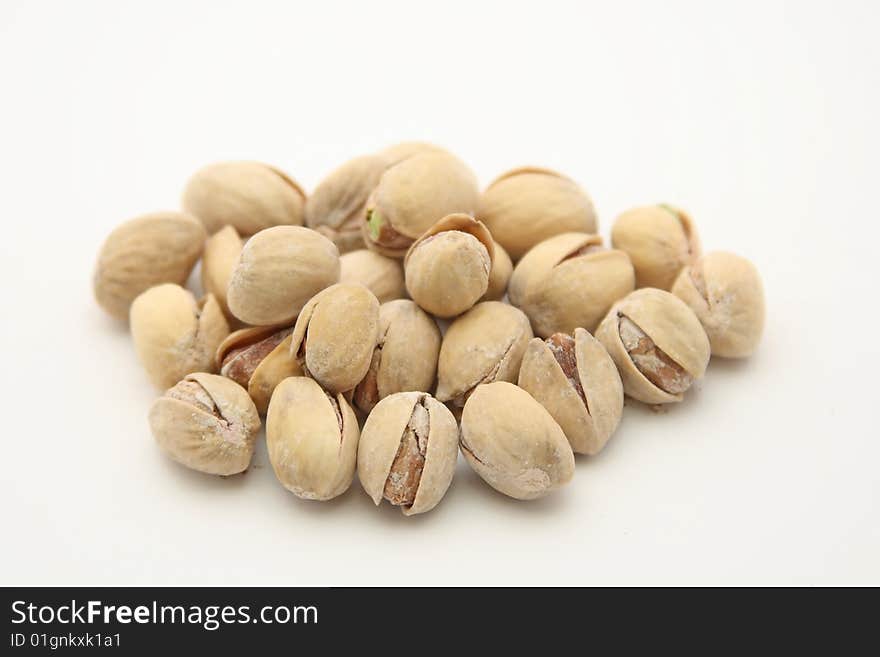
<point x="173" y="335"/>
<point x="249" y="196"/>
<point x="408" y="451"/>
<point x="403" y="150"/>
<point x="222" y="251"/>
<point x="312" y="439"/>
<point x="156" y="248"/>
<point x="513" y="443"/>
<point x="278" y="271"/>
<point x="502" y="268"/>
<point x="381" y="275"/>
<point x="207" y="423"/>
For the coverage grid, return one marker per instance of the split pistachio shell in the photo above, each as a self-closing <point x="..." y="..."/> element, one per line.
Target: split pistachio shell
<point x="660" y="240"/>
<point x="381" y="275"/>
<point x="513" y="443"/>
<point x="278" y="271"/>
<point x="408" y="451"/>
<point x="249" y="196"/>
<point x="726" y="293"/>
<point x="312" y="438"/>
<point x="569" y="281"/>
<point x="405" y="357"/>
<point x="175" y="336"/>
<point x="222" y="251"/>
<point x="207" y="423"/>
<point x="335" y="335"/>
<point x="657" y="343"/>
<point x="575" y="379"/>
<point x="525" y="206"/>
<point x="156" y="248"/>
<point x="447" y="268"/>
<point x="485" y="344"/>
<point x="502" y="268"/>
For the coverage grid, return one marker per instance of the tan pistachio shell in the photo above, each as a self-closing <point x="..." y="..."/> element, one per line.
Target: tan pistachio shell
<point x="381" y="275"/>
<point x="207" y="423"/>
<point x="174" y="335"/>
<point x="222" y="251"/>
<point x="156" y="248"/>
<point x="312" y="439"/>
<point x="502" y="268"/>
<point x="384" y="467"/>
<point x="248" y="196"/>
<point x="513" y="443"/>
<point x="726" y="293"/>
<point x="403" y="150"/>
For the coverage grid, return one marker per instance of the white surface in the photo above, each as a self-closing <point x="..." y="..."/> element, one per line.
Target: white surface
<point x="759" y="118"/>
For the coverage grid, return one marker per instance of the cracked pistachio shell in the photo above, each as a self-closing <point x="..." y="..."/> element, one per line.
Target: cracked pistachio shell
<point x="249" y="196"/>
<point x="664" y="323"/>
<point x="485" y="344"/>
<point x="405" y="357"/>
<point x="335" y="335"/>
<point x="525" y="206"/>
<point x="408" y="451"/>
<point x="513" y="443"/>
<point x="726" y="293"/>
<point x="222" y="251"/>
<point x="413" y="195"/>
<point x="660" y="240"/>
<point x="207" y="423"/>
<point x="278" y="271"/>
<point x="174" y="335"/>
<point x="403" y="150"/>
<point x="569" y="281"/>
<point x="447" y="268"/>
<point x="312" y="439"/>
<point x="156" y="248"/>
<point x="502" y="268"/>
<point x="575" y="379"/>
<point x="381" y="275"/>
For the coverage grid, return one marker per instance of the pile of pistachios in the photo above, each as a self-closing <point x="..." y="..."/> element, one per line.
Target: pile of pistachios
<point x="320" y="313"/>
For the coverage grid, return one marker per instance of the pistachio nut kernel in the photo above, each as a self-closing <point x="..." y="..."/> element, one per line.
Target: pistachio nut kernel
<point x="222" y="251"/>
<point x="207" y="423"/>
<point x="726" y="293"/>
<point x="513" y="443"/>
<point x="527" y="205"/>
<point x="405" y="357"/>
<point x="657" y="343"/>
<point x="575" y="379"/>
<point x="249" y="196"/>
<point x="660" y="240"/>
<point x="483" y="345"/>
<point x="174" y="335"/>
<point x="408" y="451"/>
<point x="381" y="275"/>
<point x="312" y="439"/>
<point x="156" y="248"/>
<point x="335" y="335"/>
<point x="502" y="268"/>
<point x="447" y="269"/>
<point x="278" y="271"/>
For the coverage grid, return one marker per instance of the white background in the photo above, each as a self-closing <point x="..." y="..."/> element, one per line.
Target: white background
<point x="760" y="118"/>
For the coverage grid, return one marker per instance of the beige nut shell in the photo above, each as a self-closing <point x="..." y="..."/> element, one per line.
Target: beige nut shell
<point x="311" y="456"/>
<point x="405" y="149"/>
<point x="587" y="426"/>
<point x="222" y="251"/>
<point x="381" y="275"/>
<point x="513" y="443"/>
<point x="499" y="277"/>
<point x="380" y="440"/>
<point x="156" y="248"/>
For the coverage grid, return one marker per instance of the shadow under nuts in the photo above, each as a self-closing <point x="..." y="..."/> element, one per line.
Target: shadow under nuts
<point x="381" y="275"/>
<point x="513" y="443"/>
<point x="408" y="451"/>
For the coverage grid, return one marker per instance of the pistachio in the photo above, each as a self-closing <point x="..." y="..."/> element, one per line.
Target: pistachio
<point x="403" y="150"/>
<point x="657" y="343"/>
<point x="278" y="271"/>
<point x="447" y="268"/>
<point x="152" y="249"/>
<point x="249" y="196"/>
<point x="575" y="379"/>
<point x="407" y="452"/>
<point x="485" y="344"/>
<point x="660" y="240"/>
<point x="335" y="335"/>
<point x="222" y="251"/>
<point x="207" y="423"/>
<point x="405" y="357"/>
<point x="173" y="335"/>
<point x="312" y="439"/>
<point x="513" y="443"/>
<point x="569" y="281"/>
<point x="525" y="206"/>
<point x="381" y="275"/>
<point x="499" y="277"/>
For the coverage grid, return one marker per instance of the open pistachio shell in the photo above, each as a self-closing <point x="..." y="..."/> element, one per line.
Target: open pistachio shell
<point x="381" y="275"/>
<point x="502" y="268"/>
<point x="222" y="251"/>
